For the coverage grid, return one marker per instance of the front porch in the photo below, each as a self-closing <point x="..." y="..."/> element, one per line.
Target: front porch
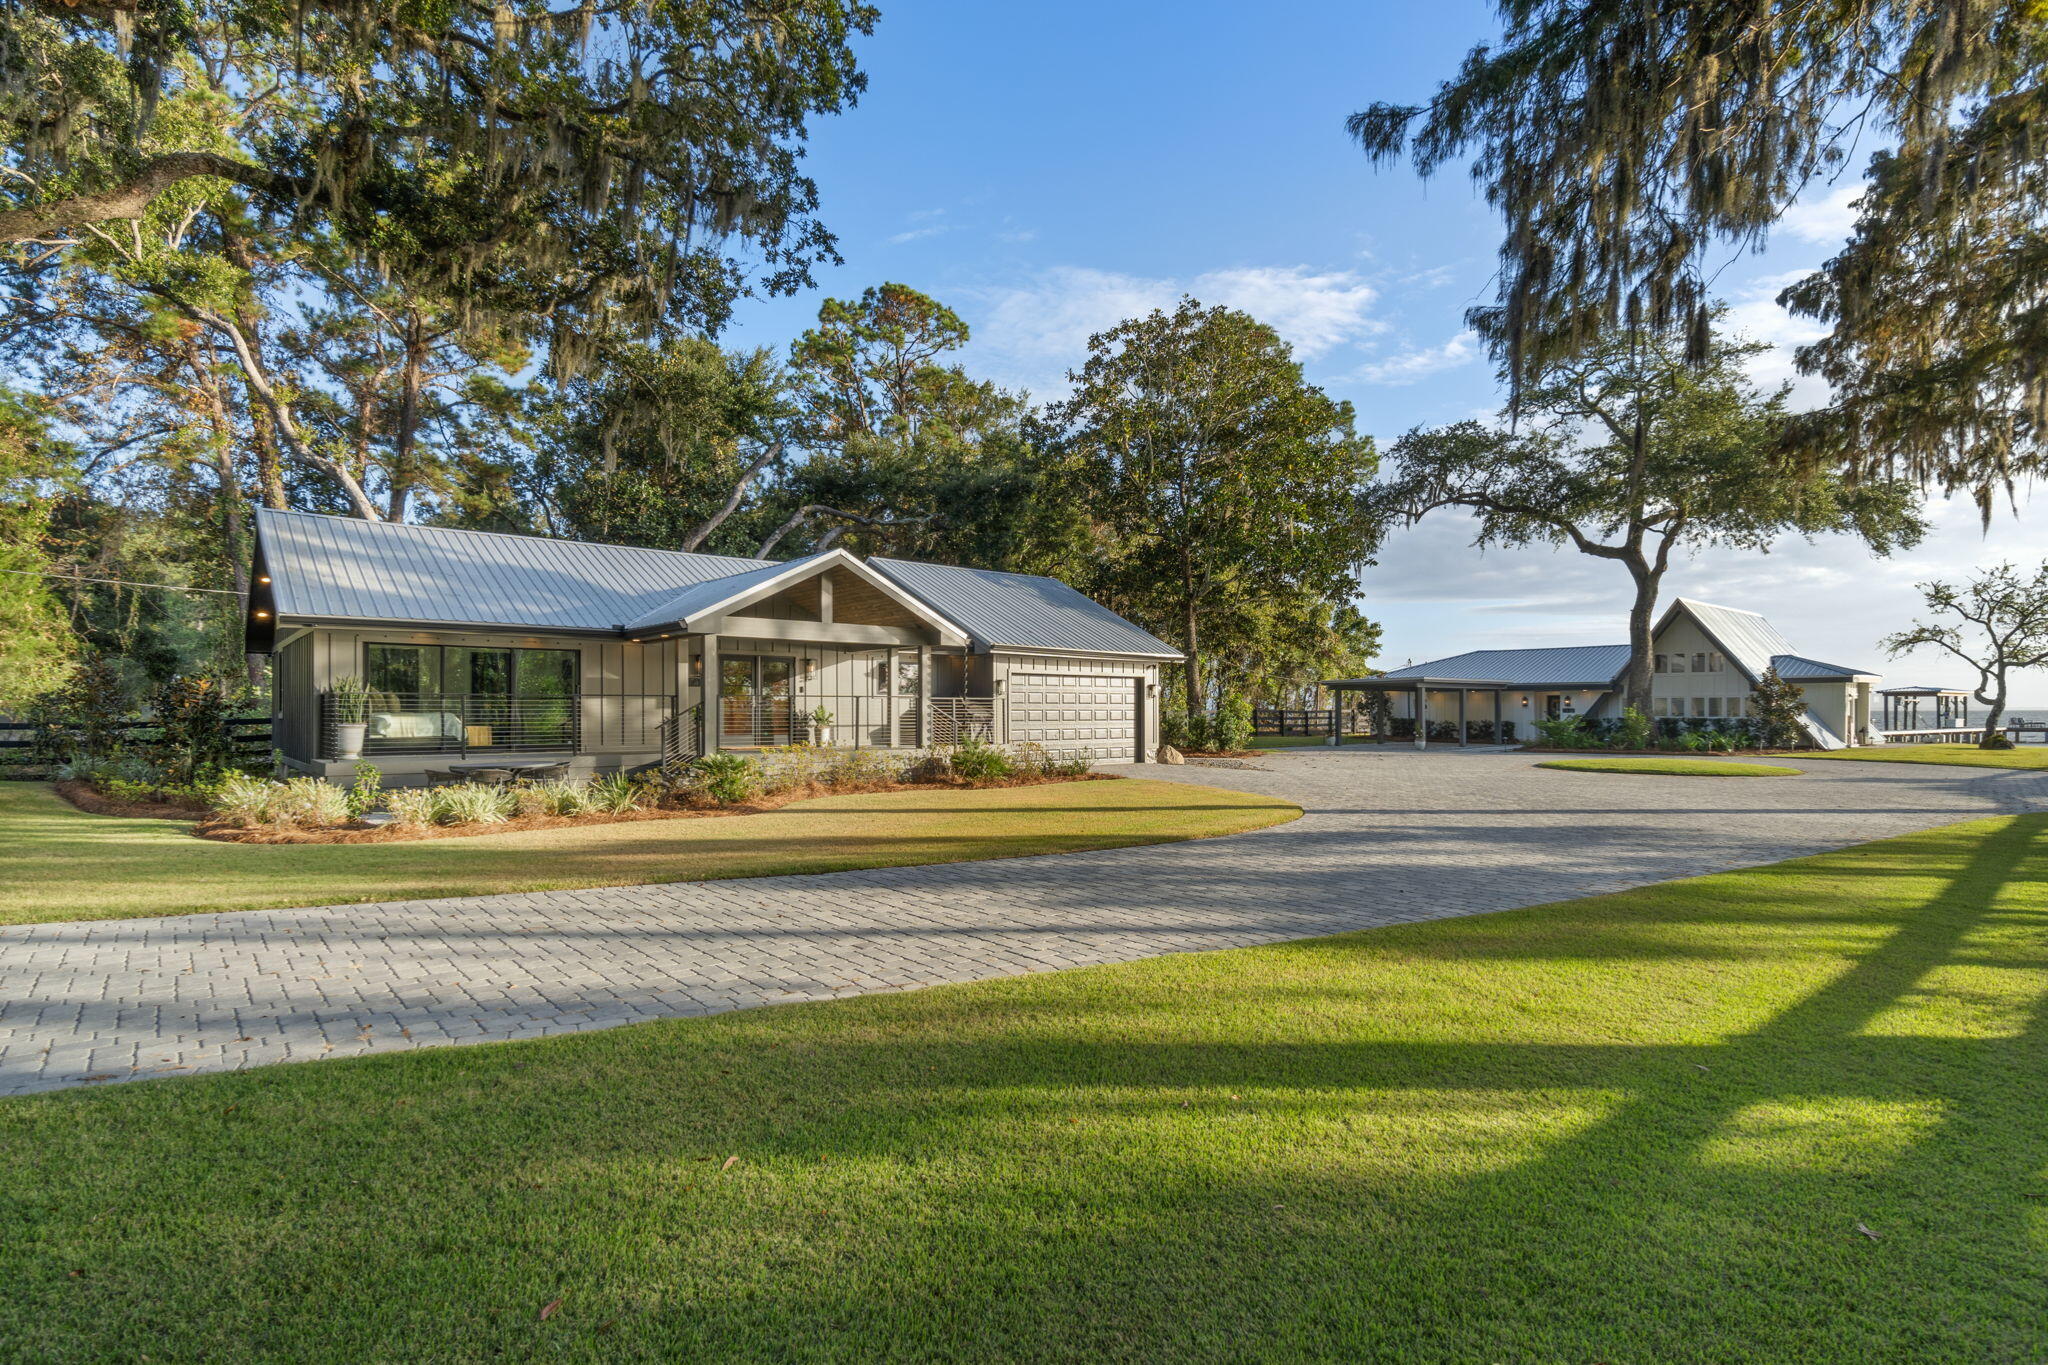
<point x="408" y="736"/>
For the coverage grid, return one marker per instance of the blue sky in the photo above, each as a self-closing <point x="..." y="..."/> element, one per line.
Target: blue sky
<point x="1050" y="170"/>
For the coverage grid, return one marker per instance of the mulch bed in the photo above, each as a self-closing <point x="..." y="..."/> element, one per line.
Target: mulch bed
<point x="83" y="796"/>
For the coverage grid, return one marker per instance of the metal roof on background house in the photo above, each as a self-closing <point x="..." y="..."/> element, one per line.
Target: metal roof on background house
<point x="1025" y="610"/>
<point x="1795" y="668"/>
<point x="1752" y="642"/>
<point x="335" y="568"/>
<point x="1563" y="666"/>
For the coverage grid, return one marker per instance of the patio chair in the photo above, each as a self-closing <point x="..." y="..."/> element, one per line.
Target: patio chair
<point x="494" y="777"/>
<point x="437" y="777"/>
<point x="552" y="773"/>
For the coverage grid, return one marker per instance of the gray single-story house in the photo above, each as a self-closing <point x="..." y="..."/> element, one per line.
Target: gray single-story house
<point x="476" y="646"/>
<point x="1706" y="658"/>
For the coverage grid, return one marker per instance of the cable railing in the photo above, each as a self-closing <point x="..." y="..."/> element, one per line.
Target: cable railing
<point x="473" y="722"/>
<point x="853" y="721"/>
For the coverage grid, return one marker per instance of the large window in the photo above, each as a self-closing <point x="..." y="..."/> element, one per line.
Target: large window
<point x="456" y="670"/>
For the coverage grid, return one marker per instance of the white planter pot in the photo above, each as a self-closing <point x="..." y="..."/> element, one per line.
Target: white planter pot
<point x="823" y="735"/>
<point x="348" y="740"/>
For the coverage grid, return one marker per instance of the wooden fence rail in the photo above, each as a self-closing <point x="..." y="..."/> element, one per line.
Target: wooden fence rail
<point x="252" y="733"/>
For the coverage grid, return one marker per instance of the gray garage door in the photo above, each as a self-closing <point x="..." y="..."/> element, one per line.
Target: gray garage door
<point x="1070" y="712"/>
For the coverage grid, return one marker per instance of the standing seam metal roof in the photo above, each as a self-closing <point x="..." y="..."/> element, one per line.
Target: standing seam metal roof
<point x="1565" y="665"/>
<point x="326" y="566"/>
<point x="342" y="568"/>
<point x="1019" y="609"/>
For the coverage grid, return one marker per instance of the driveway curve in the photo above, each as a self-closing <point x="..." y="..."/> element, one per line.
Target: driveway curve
<point x="1388" y="836"/>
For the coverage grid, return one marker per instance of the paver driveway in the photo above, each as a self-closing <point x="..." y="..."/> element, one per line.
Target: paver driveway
<point x="1388" y="836"/>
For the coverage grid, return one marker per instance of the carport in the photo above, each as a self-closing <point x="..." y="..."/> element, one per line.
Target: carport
<point x="1421" y="688"/>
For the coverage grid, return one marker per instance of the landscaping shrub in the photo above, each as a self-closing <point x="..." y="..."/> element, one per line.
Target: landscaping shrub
<point x="796" y="765"/>
<point x="1076" y="764"/>
<point x="978" y="761"/>
<point x="1173" y="728"/>
<point x="1401" y="727"/>
<point x="727" y="778"/>
<point x="1779" y="709"/>
<point x="193" y="737"/>
<point x="410" y="805"/>
<point x="1634" y="730"/>
<point x="1232" y="728"/>
<point x="363" y="792"/>
<point x="302" y="801"/>
<point x="465" y="803"/>
<point x="1443" y="732"/>
<point x="857" y="768"/>
<point x="1567" y="733"/>
<point x="1995" y="739"/>
<point x="613" y="794"/>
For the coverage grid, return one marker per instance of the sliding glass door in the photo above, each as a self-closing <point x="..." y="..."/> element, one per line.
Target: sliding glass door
<point x="754" y="702"/>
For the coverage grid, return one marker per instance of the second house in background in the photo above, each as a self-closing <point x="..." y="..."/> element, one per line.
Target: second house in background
<point x="1707" y="658"/>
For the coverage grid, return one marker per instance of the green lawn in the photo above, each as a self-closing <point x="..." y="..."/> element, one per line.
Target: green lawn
<point x="63" y="864"/>
<point x="1952" y="755"/>
<point x="1646" y="1127"/>
<point x="1671" y="767"/>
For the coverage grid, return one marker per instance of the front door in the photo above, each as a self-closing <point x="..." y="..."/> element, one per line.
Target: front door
<point x="754" y="700"/>
<point x="1553" y="706"/>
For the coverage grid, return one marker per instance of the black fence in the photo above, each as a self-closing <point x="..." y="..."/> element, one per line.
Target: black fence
<point x="251" y="734"/>
<point x="1273" y="720"/>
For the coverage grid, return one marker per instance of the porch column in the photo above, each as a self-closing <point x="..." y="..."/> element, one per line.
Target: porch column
<point x="1464" y="729"/>
<point x="1422" y="718"/>
<point x="707" y="695"/>
<point x="1498" y="737"/>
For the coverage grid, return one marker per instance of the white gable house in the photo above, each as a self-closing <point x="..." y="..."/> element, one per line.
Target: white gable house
<point x="1706" y="660"/>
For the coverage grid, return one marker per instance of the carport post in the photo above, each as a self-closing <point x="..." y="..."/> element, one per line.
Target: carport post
<point x="1464" y="730"/>
<point x="1497" y="737"/>
<point x="1421" y="717"/>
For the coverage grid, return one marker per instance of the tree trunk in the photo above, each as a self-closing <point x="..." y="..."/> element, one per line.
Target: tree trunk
<point x="1639" y="681"/>
<point x="1996" y="713"/>
<point x="1193" y="663"/>
<point x="410" y="383"/>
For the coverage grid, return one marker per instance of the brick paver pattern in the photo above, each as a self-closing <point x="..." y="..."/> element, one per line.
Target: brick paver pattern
<point x="1389" y="836"/>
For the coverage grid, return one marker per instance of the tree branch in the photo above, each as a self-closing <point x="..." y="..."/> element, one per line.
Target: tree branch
<point x="739" y="491"/>
<point x="130" y="199"/>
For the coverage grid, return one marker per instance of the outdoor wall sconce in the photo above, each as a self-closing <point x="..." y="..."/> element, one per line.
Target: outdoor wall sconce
<point x="1525" y="701"/>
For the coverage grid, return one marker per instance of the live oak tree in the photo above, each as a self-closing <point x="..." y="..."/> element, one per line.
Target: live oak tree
<point x="1216" y="480"/>
<point x="2000" y="624"/>
<point x="664" y="445"/>
<point x="590" y="159"/>
<point x="1631" y="453"/>
<point x="345" y="208"/>
<point x="1625" y="143"/>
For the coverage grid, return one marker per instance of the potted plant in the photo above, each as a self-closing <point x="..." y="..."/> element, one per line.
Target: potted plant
<point x="821" y="726"/>
<point x="351" y="715"/>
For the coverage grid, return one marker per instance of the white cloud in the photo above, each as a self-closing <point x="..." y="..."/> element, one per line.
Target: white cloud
<point x="1825" y="221"/>
<point x="1030" y="334"/>
<point x="1411" y="365"/>
<point x="1754" y="314"/>
<point x="918" y="234"/>
<point x="1315" y="312"/>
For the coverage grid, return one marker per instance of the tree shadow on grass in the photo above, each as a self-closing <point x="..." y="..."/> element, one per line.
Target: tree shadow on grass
<point x="1238" y="1157"/>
